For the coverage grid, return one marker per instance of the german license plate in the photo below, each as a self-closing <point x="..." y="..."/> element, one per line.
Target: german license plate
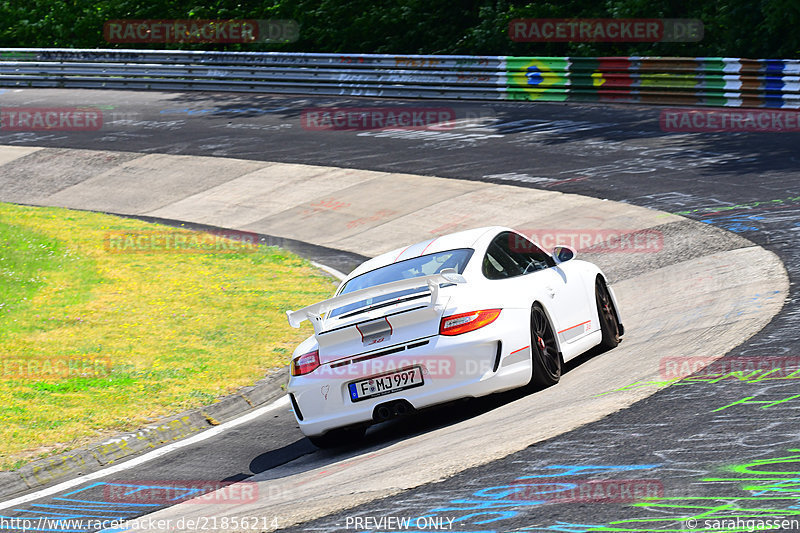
<point x="385" y="384"/>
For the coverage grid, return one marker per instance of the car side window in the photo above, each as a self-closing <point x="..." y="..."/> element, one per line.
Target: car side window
<point x="511" y="254"/>
<point x="536" y="258"/>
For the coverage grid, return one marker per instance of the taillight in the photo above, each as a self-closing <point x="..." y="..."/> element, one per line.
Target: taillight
<point x="464" y="322"/>
<point x="305" y="363"/>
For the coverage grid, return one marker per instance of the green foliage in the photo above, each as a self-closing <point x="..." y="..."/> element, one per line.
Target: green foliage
<point x="733" y="28"/>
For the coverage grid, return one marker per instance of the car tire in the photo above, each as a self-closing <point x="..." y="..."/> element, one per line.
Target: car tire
<point x="547" y="361"/>
<point x="339" y="437"/>
<point x="609" y="324"/>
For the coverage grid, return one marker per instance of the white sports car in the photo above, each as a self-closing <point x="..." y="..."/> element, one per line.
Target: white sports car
<point x="462" y="315"/>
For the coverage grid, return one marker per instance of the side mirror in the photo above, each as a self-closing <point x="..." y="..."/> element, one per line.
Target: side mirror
<point x="563" y="253"/>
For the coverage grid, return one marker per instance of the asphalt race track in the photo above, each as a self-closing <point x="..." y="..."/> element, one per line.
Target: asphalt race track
<point x="709" y="448"/>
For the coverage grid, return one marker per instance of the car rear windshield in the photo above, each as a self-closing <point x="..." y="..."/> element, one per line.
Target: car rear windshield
<point x="424" y="265"/>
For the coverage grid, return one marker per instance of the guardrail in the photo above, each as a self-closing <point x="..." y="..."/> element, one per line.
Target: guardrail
<point x="730" y="82"/>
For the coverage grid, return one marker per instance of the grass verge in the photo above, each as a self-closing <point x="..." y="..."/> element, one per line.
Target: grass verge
<point x="97" y="339"/>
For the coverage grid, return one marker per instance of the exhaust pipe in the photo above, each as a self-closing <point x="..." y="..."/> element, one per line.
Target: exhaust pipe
<point x="394" y="409"/>
<point x="382" y="412"/>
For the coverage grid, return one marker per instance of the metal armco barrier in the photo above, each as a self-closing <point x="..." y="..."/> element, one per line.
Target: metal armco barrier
<point x="707" y="81"/>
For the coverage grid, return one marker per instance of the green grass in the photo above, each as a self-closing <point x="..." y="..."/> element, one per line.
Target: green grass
<point x="26" y="259"/>
<point x="165" y="331"/>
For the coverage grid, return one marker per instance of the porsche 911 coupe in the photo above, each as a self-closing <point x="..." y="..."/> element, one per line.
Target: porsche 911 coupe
<point x="462" y="315"/>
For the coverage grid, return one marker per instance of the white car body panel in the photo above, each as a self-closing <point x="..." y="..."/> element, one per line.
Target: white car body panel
<point x="403" y="335"/>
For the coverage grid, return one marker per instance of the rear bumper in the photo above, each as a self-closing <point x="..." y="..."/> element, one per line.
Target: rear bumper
<point x="491" y="359"/>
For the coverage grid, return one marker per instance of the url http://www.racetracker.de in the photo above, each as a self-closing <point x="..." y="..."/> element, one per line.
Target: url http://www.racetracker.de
<point x="202" y="523"/>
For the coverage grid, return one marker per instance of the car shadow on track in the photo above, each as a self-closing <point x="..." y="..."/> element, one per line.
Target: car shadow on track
<point x="385" y="434"/>
<point x="281" y="456"/>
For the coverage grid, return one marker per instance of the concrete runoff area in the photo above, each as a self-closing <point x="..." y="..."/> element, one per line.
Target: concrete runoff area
<point x="688" y="297"/>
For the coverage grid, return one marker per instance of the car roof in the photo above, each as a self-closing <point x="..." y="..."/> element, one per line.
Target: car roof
<point x="461" y="239"/>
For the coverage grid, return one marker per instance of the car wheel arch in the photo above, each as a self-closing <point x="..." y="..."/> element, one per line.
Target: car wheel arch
<point x="602" y="279"/>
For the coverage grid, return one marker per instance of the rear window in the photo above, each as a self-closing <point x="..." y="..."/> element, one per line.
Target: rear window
<point x="415" y="267"/>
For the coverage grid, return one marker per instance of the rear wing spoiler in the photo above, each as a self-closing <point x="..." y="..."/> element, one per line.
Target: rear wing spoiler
<point x="313" y="313"/>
